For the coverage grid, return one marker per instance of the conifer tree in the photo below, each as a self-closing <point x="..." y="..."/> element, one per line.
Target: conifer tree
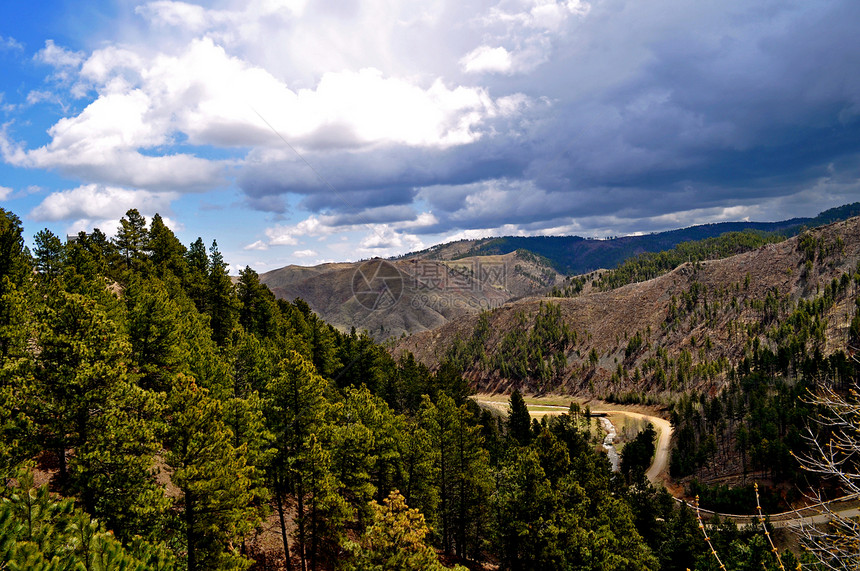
<point x="258" y="312"/>
<point x="166" y="252"/>
<point x="219" y="501"/>
<point x="394" y="540"/>
<point x="519" y="420"/>
<point x="153" y="332"/>
<point x="296" y="410"/>
<point x="114" y="469"/>
<point x="221" y="302"/>
<point x="132" y="239"/>
<point x="81" y="361"/>
<point x="49" y="254"/>
<point x="198" y="272"/>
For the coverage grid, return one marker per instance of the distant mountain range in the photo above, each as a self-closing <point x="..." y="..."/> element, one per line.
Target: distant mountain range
<point x="427" y="289"/>
<point x="572" y="255"/>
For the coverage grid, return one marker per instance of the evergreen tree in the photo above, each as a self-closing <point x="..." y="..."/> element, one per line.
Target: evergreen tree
<point x="81" y="360"/>
<point x="166" y="252"/>
<point x="394" y="540"/>
<point x="221" y="302"/>
<point x="43" y="534"/>
<point x="198" y="272"/>
<point x="219" y="501"/>
<point x="113" y="469"/>
<point x="49" y="253"/>
<point x="258" y="312"/>
<point x="15" y="268"/>
<point x="296" y="410"/>
<point x="132" y="239"/>
<point x="519" y="420"/>
<point x="153" y="333"/>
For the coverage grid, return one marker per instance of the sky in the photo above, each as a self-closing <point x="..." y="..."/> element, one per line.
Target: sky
<point x="299" y="132"/>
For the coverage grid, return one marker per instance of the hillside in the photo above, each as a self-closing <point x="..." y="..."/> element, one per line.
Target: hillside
<point x="577" y="255"/>
<point x="411" y="295"/>
<point x="683" y="330"/>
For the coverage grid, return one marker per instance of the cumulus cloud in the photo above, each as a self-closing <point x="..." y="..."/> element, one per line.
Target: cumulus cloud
<point x="487" y="59"/>
<point x="396" y="121"/>
<point x="100" y="202"/>
<point x="5" y="192"/>
<point x="58" y="56"/>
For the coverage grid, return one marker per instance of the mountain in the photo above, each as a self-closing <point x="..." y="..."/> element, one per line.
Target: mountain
<point x="577" y="255"/>
<point x="390" y="298"/>
<point x="681" y="331"/>
<point x="425" y="290"/>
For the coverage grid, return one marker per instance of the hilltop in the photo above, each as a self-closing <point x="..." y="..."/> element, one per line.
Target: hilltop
<point x="411" y="295"/>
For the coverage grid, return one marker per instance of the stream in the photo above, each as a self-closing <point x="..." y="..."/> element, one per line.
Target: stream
<point x="608" y="442"/>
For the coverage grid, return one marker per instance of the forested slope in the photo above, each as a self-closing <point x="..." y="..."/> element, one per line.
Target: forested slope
<point x="180" y="421"/>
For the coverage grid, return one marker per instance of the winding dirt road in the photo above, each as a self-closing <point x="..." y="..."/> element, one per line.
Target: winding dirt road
<point x="657" y="471"/>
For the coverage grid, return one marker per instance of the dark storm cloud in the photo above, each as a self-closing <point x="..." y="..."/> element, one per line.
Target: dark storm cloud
<point x="654" y="110"/>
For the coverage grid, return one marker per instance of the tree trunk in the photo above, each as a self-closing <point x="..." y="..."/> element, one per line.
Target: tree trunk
<point x="279" y="499"/>
<point x="189" y="532"/>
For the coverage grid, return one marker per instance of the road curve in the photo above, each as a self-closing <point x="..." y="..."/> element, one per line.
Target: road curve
<point x="656" y="473"/>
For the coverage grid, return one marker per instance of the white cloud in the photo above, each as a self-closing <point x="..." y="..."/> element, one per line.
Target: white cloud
<point x="93" y="201"/>
<point x="58" y="56"/>
<point x="305" y="253"/>
<point x="486" y="59"/>
<point x="206" y="96"/>
<point x="383" y="240"/>
<point x="258" y="245"/>
<point x="10" y="43"/>
<point x="5" y="192"/>
<point x="37" y="96"/>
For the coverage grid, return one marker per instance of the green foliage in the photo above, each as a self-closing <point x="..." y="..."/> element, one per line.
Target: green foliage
<point x="538" y="352"/>
<point x="394" y="540"/>
<point x="40" y="533"/>
<point x="219" y="502"/>
<point x="221" y="303"/>
<point x="188" y="403"/>
<point x="519" y="420"/>
<point x="637" y="455"/>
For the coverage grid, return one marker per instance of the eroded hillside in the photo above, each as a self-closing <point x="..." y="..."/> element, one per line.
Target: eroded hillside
<point x="680" y="331"/>
<point x="389" y="298"/>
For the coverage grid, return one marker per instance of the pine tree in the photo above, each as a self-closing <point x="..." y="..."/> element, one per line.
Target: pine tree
<point x="81" y="361"/>
<point x="166" y="252"/>
<point x="258" y="312"/>
<point x="219" y="501"/>
<point x="221" y="302"/>
<point x="296" y="410"/>
<point x="153" y="332"/>
<point x="198" y="271"/>
<point x="49" y="253"/>
<point x="394" y="540"/>
<point x="132" y="240"/>
<point x="113" y="470"/>
<point x="519" y="420"/>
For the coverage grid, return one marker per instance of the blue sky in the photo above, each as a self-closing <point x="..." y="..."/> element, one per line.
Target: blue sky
<point x="296" y="131"/>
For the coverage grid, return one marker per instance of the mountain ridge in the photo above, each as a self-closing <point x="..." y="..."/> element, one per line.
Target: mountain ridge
<point x="680" y="331"/>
